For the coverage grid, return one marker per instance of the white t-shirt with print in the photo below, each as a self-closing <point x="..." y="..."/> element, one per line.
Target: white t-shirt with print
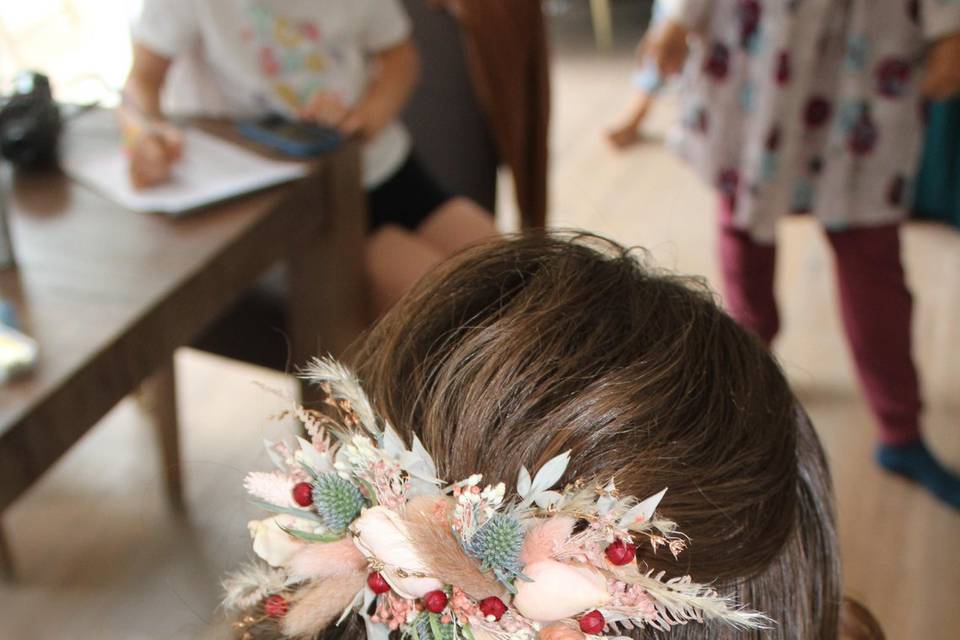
<point x="249" y="58"/>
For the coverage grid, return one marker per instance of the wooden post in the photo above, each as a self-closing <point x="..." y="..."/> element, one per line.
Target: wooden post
<point x="7" y="572"/>
<point x="328" y="292"/>
<point x="602" y="24"/>
<point x="159" y="398"/>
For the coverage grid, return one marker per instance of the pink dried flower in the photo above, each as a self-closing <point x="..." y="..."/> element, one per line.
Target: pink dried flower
<point x="631" y="600"/>
<point x="463" y="605"/>
<point x="388" y="484"/>
<point x="392" y="610"/>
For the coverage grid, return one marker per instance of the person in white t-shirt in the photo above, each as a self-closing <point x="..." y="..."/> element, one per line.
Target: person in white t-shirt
<point x="349" y="64"/>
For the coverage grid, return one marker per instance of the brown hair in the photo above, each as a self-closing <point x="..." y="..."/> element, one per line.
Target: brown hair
<point x="527" y="347"/>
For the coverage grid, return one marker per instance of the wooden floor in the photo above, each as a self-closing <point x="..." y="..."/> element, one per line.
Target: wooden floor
<point x="101" y="557"/>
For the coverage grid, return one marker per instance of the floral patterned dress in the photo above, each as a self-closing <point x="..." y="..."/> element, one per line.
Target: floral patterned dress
<point x="808" y="105"/>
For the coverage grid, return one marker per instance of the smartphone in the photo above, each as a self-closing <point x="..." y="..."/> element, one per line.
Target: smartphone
<point x="297" y="139"/>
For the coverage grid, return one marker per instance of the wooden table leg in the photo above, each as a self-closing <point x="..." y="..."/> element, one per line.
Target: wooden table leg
<point x="159" y="398"/>
<point x="602" y="24"/>
<point x="7" y="572"/>
<point x="328" y="292"/>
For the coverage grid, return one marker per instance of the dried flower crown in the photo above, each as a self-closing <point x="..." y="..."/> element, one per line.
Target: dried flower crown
<point x="362" y="524"/>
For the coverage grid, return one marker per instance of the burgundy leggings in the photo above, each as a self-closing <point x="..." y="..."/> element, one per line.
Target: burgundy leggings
<point x="875" y="305"/>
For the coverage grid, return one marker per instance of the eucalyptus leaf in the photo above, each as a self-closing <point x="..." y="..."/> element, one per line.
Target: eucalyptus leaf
<point x="310" y="472"/>
<point x="312" y="537"/>
<point x="523" y="482"/>
<point x="299" y="513"/>
<point x="421" y="452"/>
<point x="371" y="492"/>
<point x="434" y="625"/>
<point x="391" y="443"/>
<point x="275" y="457"/>
<point x="643" y="512"/>
<point x="550" y="473"/>
<point x="309" y="455"/>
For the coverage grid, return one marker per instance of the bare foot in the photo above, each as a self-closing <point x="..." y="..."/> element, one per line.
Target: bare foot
<point x="623" y="136"/>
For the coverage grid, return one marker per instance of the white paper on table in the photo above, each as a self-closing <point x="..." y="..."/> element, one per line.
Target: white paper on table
<point x="210" y="170"/>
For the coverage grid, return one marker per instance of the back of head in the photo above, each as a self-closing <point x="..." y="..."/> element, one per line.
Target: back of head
<point x="528" y="347"/>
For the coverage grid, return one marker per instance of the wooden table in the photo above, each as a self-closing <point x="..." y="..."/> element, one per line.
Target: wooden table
<point x="110" y="294"/>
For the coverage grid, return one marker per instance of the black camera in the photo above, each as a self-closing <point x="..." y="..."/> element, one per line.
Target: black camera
<point x="30" y="123"/>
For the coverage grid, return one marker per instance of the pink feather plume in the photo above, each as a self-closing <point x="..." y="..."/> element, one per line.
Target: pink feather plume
<point x="327" y="560"/>
<point x="542" y="540"/>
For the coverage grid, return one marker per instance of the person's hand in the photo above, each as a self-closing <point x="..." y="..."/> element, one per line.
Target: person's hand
<point x="668" y="46"/>
<point x="364" y="121"/>
<point x="153" y="153"/>
<point x="367" y="119"/>
<point x="326" y="108"/>
<point x="942" y="77"/>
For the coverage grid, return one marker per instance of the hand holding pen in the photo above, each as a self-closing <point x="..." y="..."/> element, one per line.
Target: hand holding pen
<point x="154" y="146"/>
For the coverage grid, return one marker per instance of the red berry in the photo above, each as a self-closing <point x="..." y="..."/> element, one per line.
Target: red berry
<point x="377" y="583"/>
<point x="435" y="601"/>
<point x="303" y="494"/>
<point x="276" y="607"/>
<point x="592" y="623"/>
<point x="621" y="553"/>
<point x="493" y="606"/>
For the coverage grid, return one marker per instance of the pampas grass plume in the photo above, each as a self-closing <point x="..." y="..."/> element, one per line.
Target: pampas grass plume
<point x="320" y="603"/>
<point x="427" y="520"/>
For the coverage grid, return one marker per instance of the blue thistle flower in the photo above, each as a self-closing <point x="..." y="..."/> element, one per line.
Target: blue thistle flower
<point x="497" y="544"/>
<point x="337" y="501"/>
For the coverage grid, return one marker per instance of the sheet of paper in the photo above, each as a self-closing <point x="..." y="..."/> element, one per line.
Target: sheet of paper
<point x="211" y="169"/>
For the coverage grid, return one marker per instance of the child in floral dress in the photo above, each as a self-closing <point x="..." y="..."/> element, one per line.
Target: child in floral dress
<point x="816" y="106"/>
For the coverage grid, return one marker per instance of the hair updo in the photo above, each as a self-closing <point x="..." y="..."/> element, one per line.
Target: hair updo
<point x="526" y="347"/>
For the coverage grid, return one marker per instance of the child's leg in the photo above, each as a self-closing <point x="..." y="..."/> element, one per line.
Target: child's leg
<point x="648" y="83"/>
<point x="395" y="258"/>
<point x="456" y="224"/>
<point x="747" y="268"/>
<point x="876" y="307"/>
<point x="627" y="131"/>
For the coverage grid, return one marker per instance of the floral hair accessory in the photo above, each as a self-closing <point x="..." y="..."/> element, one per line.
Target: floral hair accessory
<point x="361" y="523"/>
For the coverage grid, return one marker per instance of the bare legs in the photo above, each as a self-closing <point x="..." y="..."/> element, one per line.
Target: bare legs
<point x="396" y="257"/>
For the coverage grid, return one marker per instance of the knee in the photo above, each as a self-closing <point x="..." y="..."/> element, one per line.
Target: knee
<point x="462" y="203"/>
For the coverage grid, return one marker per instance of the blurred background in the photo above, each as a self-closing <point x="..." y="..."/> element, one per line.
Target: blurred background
<point x="99" y="554"/>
